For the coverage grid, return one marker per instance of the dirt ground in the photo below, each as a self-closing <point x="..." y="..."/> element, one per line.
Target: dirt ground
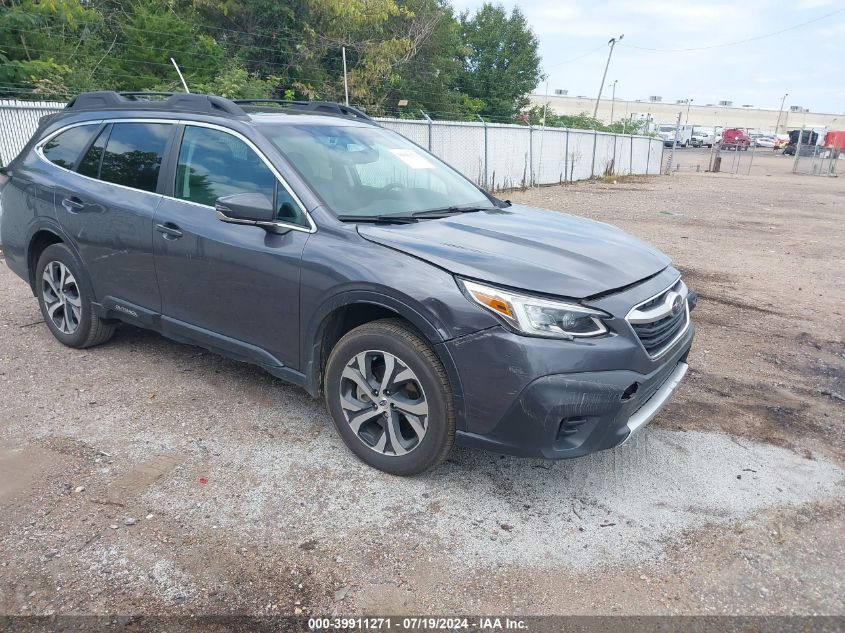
<point x="150" y="477"/>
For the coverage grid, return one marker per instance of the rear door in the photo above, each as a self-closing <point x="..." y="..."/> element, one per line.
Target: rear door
<point x="231" y="286"/>
<point x="106" y="204"/>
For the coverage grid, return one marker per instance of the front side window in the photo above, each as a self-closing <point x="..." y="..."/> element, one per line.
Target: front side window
<point x="133" y="154"/>
<point x="214" y="163"/>
<point x="64" y="149"/>
<point x="367" y="171"/>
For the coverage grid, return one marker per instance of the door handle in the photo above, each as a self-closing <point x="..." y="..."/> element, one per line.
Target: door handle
<point x="73" y="204"/>
<point x="169" y="231"/>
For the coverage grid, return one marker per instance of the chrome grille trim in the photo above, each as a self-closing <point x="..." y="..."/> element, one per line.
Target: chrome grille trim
<point x="645" y="319"/>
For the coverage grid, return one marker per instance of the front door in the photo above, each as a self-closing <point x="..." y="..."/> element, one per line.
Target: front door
<point x="232" y="285"/>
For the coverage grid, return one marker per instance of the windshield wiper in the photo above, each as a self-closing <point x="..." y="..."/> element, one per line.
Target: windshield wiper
<point x="378" y="219"/>
<point x="447" y="211"/>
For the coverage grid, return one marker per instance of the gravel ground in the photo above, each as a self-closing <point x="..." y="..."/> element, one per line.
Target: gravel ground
<point x="150" y="477"/>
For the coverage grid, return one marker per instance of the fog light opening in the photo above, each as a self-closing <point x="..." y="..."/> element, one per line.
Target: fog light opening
<point x="630" y="391"/>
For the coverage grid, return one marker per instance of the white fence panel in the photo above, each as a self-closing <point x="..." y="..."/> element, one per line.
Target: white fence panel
<point x="508" y="155"/>
<point x="604" y="156"/>
<point x="655" y="157"/>
<point x="580" y="157"/>
<point x="417" y="131"/>
<point x="461" y="145"/>
<point x="514" y="155"/>
<point x="624" y="155"/>
<point x="18" y="122"/>
<point x="549" y="154"/>
<point x="640" y="156"/>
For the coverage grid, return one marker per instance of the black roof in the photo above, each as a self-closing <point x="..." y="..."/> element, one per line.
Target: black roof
<point x="205" y="104"/>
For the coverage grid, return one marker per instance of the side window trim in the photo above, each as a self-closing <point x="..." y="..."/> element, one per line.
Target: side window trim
<point x="311" y="228"/>
<point x="38" y="149"/>
<point x="168" y="165"/>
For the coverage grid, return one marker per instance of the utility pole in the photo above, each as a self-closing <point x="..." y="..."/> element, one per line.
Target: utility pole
<point x="345" y="82"/>
<point x="611" y="43"/>
<point x="674" y="144"/>
<point x="546" y="104"/>
<point x="689" y="103"/>
<point x="613" y="101"/>
<point x="782" y="101"/>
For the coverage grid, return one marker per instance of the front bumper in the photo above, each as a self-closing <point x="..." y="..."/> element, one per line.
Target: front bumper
<point x="570" y="415"/>
<point x="538" y="397"/>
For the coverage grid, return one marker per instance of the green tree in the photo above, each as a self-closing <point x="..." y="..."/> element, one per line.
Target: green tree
<point x="49" y="47"/>
<point x="501" y="63"/>
<point x="536" y="115"/>
<point x="147" y="36"/>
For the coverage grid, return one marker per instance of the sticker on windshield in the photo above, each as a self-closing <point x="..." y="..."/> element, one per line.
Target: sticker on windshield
<point x="412" y="159"/>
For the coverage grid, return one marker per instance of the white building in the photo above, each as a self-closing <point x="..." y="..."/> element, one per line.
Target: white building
<point x="704" y="115"/>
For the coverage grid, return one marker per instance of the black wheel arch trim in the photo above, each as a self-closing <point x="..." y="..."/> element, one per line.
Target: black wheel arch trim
<point x="49" y="225"/>
<point x="312" y="345"/>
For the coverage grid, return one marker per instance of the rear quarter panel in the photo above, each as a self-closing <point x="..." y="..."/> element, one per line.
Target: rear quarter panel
<point x="28" y="204"/>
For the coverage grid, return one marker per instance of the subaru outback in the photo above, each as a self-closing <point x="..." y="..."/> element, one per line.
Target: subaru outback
<point x="341" y="257"/>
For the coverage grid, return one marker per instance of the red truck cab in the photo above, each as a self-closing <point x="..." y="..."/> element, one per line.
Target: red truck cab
<point x="735" y="138"/>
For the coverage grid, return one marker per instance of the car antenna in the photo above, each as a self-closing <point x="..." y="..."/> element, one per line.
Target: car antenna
<point x="179" y="72"/>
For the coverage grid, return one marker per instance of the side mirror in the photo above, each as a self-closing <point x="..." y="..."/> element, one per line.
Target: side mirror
<point x="245" y="208"/>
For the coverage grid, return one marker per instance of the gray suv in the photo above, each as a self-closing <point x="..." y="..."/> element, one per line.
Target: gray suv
<point x="341" y="257"/>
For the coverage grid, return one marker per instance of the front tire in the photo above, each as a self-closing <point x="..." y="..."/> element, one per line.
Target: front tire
<point x="390" y="398"/>
<point x="65" y="298"/>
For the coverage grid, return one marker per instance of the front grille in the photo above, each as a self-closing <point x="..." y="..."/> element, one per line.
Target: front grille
<point x="656" y="324"/>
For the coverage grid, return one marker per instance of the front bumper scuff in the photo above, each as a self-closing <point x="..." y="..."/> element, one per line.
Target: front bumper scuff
<point x="652" y="407"/>
<point x="560" y="413"/>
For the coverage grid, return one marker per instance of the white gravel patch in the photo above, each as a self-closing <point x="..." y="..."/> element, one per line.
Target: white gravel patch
<point x="623" y="505"/>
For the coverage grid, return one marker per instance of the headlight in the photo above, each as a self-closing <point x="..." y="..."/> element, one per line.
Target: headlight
<point x="536" y="316"/>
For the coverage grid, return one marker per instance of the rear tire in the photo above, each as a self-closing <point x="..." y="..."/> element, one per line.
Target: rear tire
<point x="65" y="298"/>
<point x="390" y="398"/>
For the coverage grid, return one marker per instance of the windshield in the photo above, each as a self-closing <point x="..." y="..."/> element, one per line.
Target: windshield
<point x="667" y="128"/>
<point x="369" y="171"/>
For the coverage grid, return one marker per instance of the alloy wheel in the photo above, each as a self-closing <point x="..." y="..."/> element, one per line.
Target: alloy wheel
<point x="384" y="403"/>
<point x="61" y="297"/>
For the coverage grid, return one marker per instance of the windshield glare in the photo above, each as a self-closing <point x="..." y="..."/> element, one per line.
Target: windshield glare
<point x="369" y="171"/>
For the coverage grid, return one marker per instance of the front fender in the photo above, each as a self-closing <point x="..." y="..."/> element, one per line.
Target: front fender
<point x="316" y="333"/>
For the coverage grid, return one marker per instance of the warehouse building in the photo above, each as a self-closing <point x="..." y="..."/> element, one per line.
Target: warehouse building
<point x="719" y="114"/>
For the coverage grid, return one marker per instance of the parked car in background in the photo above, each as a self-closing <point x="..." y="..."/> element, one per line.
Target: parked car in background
<point x="765" y="141"/>
<point x="339" y="256"/>
<point x="735" y="138"/>
<point x="702" y="138"/>
<point x="781" y="141"/>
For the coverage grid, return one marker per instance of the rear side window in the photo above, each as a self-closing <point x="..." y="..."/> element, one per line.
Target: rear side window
<point x="90" y="163"/>
<point x="64" y="149"/>
<point x="133" y="154"/>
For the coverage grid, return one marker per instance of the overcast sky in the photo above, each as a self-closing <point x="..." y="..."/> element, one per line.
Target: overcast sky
<point x="807" y="62"/>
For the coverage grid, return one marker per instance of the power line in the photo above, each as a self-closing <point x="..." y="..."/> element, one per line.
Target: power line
<point x="415" y="63"/>
<point x="575" y="59"/>
<point x="736" y="43"/>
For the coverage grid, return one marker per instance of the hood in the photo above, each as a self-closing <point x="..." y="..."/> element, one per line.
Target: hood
<point x="525" y="248"/>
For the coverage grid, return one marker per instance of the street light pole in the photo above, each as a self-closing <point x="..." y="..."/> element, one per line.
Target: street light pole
<point x="613" y="101"/>
<point x="611" y="43"/>
<point x="689" y="103"/>
<point x="782" y="101"/>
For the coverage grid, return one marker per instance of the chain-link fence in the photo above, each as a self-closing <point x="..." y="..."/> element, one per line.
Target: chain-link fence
<point x="494" y="155"/>
<point x="815" y="159"/>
